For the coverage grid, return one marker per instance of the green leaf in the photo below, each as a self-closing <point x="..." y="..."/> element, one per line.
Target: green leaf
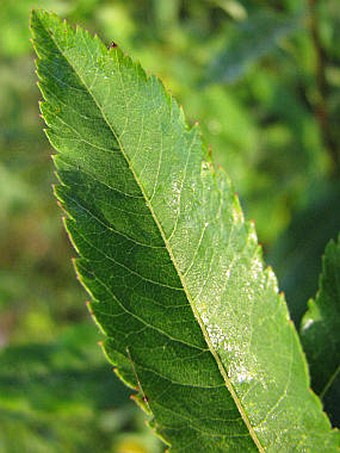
<point x="193" y="320"/>
<point x="296" y="256"/>
<point x="320" y="329"/>
<point x="251" y="40"/>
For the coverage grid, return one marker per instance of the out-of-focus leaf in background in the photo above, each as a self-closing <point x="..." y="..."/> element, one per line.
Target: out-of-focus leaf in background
<point x="320" y="329"/>
<point x="297" y="255"/>
<point x="264" y="129"/>
<point x="250" y="40"/>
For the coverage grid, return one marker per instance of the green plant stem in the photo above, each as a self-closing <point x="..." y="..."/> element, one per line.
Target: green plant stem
<point x="320" y="105"/>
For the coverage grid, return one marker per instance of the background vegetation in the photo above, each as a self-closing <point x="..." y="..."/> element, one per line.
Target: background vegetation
<point x="263" y="79"/>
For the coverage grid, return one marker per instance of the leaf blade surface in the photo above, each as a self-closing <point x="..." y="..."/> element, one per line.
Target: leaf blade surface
<point x="175" y="274"/>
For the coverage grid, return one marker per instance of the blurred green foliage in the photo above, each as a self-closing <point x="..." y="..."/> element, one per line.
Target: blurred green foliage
<point x="263" y="80"/>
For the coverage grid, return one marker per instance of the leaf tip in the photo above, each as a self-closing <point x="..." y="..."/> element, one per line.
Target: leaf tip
<point x="142" y="402"/>
<point x="89" y="307"/>
<point x="281" y="293"/>
<point x="63" y="220"/>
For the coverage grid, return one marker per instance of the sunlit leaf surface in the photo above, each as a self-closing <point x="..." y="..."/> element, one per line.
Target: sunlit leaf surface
<point x="193" y="320"/>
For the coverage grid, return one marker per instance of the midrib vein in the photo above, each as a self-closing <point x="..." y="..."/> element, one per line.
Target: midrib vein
<point x="172" y="257"/>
